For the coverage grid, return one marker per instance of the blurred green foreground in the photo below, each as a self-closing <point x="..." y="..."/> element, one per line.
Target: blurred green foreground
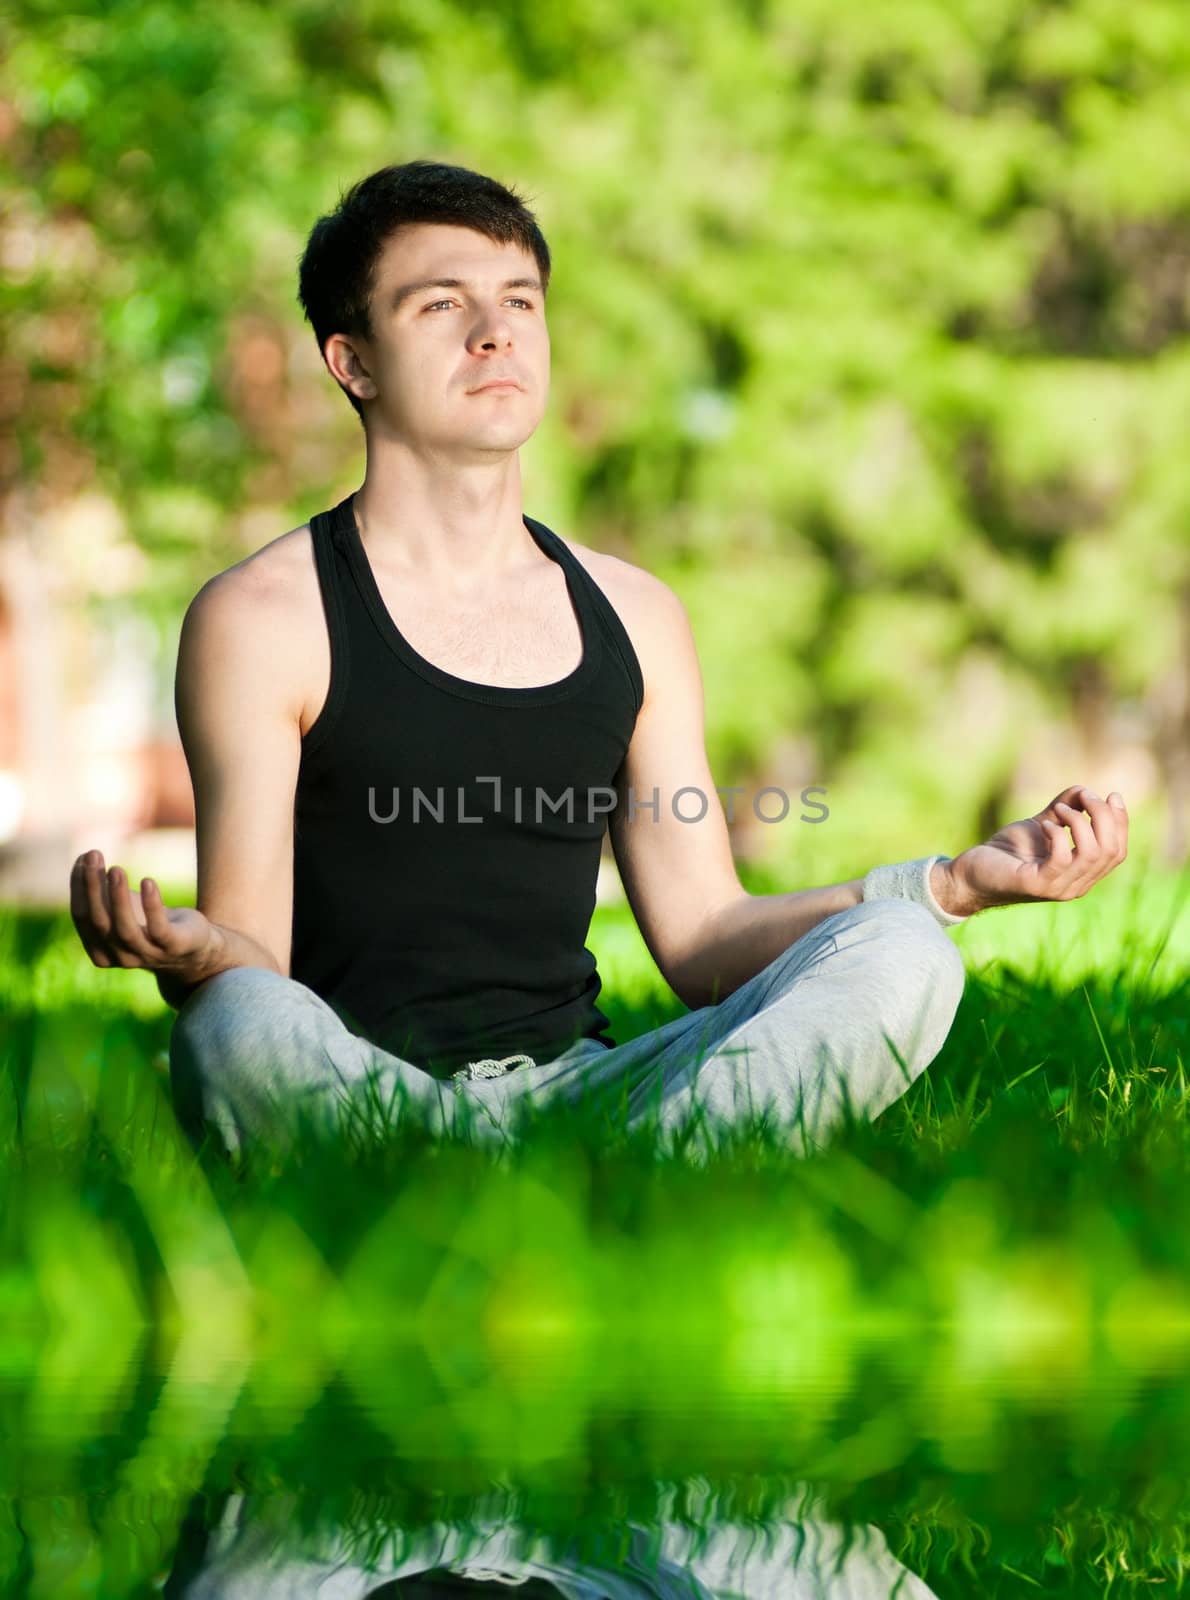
<point x="968" y="1320"/>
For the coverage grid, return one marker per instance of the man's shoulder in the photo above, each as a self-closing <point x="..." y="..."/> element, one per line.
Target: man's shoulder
<point x="641" y="592"/>
<point x="278" y="577"/>
<point x="266" y="609"/>
<point x="652" y="614"/>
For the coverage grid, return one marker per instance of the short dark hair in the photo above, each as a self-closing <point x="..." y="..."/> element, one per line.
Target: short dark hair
<point x="338" y="268"/>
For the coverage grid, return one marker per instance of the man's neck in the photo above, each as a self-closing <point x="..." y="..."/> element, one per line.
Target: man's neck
<point x="442" y="527"/>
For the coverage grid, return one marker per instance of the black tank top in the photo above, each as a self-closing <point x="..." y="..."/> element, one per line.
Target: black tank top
<point x="447" y="834"/>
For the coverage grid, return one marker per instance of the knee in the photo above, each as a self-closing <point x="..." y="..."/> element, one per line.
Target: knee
<point x="237" y="1043"/>
<point x="936" y="949"/>
<point x="226" y="1021"/>
<point x="228" y="1009"/>
<point x="915" y="965"/>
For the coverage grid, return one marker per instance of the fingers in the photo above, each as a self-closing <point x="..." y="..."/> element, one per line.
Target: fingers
<point x="98" y="905"/>
<point x="1061" y="854"/>
<point x="1120" y="812"/>
<point x="1100" y="832"/>
<point x="108" y="919"/>
<point x="1080" y="827"/>
<point x="78" y="895"/>
<point x="1108" y="825"/>
<point x="80" y="913"/>
<point x="88" y="885"/>
<point x="102" y="910"/>
<point x="157" y="924"/>
<point x="130" y="940"/>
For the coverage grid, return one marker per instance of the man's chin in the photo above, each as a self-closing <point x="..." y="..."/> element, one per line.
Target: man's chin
<point x="490" y="438"/>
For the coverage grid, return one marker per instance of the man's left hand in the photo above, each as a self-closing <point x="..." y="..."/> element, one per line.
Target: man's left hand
<point x="1034" y="859"/>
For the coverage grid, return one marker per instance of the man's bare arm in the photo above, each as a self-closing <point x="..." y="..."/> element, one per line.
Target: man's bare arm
<point x="706" y="932"/>
<point x="238" y="706"/>
<point x="238" y="700"/>
<point x="1027" y="861"/>
<point x="740" y="939"/>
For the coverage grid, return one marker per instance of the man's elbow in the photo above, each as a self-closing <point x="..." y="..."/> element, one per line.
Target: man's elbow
<point x="702" y="975"/>
<point x="696" y="991"/>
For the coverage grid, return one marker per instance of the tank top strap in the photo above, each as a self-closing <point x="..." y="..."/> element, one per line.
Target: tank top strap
<point x="596" y="608"/>
<point x="329" y="562"/>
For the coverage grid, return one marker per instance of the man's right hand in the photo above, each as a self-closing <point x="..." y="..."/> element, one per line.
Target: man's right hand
<point x="120" y="928"/>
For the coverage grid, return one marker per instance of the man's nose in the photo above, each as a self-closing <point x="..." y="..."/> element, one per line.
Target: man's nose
<point x="496" y="326"/>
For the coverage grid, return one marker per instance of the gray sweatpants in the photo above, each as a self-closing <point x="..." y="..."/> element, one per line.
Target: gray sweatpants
<point x="843" y="1020"/>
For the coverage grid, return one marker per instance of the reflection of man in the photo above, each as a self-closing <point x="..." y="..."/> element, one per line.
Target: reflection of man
<point x="426" y="634"/>
<point x="254" y="1555"/>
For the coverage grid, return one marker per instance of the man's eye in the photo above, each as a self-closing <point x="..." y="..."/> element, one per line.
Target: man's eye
<point x="435" y="304"/>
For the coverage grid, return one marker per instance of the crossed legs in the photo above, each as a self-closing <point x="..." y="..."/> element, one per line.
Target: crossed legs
<point x="842" y="1020"/>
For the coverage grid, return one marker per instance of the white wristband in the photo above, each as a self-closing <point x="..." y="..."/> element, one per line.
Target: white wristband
<point x="908" y="880"/>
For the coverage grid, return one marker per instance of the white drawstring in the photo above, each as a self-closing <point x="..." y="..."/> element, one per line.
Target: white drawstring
<point x="489" y="1067"/>
<point x="488" y="1573"/>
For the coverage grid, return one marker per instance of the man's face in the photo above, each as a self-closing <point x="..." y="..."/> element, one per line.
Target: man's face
<point x="432" y="348"/>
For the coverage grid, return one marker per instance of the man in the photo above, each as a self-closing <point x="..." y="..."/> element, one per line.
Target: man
<point x="372" y="707"/>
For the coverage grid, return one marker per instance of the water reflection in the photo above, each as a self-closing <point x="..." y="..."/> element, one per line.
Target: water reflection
<point x="200" y="1476"/>
<point x="252" y="1549"/>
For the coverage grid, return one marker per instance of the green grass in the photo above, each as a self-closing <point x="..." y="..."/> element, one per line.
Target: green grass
<point x="1003" y="1255"/>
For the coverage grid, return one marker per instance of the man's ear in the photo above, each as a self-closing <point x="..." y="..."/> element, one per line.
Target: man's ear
<point x="349" y="365"/>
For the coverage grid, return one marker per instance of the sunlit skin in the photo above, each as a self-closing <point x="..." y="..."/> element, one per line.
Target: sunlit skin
<point x="442" y="496"/>
<point x="1058" y="854"/>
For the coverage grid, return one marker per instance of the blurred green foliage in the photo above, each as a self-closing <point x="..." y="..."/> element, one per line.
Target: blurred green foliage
<point x="870" y="340"/>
